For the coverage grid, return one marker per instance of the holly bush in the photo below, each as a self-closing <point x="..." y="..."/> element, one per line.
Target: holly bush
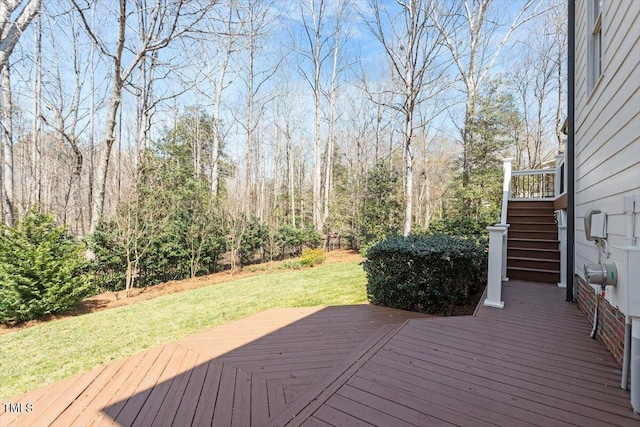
<point x="425" y="273"/>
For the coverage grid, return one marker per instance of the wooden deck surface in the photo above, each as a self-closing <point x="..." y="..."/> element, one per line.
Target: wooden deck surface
<point x="241" y="373"/>
<point x="532" y="363"/>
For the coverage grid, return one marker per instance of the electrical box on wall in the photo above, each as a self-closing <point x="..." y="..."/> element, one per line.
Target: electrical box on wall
<point x="595" y="225"/>
<point x="599" y="225"/>
<point x="633" y="278"/>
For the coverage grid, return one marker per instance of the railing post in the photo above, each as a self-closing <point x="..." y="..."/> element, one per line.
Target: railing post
<point x="505" y="239"/>
<point x="506" y="188"/>
<point x="557" y="183"/>
<point x="494" y="277"/>
<point x="562" y="237"/>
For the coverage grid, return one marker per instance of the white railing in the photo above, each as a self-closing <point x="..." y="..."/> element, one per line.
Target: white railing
<point x="506" y="189"/>
<point x="536" y="184"/>
<point x="561" y="176"/>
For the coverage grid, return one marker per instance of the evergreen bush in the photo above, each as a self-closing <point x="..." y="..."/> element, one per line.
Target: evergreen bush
<point x="108" y="260"/>
<point x="425" y="273"/>
<point x="289" y="239"/>
<point x="42" y="269"/>
<point x="254" y="238"/>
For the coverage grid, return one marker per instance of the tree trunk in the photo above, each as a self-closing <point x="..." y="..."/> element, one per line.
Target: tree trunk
<point x="8" y="179"/>
<point x="408" y="175"/>
<point x="37" y="102"/>
<point x="105" y="156"/>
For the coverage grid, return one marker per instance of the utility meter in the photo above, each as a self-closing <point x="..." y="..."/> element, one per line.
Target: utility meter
<point x="601" y="274"/>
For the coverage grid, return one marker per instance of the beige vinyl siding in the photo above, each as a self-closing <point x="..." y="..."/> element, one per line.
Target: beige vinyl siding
<point x="607" y="130"/>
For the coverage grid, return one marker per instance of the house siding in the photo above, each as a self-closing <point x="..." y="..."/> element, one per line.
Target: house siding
<point x="607" y="151"/>
<point x="607" y="156"/>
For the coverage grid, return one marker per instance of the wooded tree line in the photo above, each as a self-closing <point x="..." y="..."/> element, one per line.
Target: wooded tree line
<point x="207" y="118"/>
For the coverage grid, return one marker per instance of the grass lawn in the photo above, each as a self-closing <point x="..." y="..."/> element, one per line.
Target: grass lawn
<point x="52" y="351"/>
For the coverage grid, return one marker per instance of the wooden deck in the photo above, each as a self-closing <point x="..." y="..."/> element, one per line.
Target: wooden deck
<point x="532" y="363"/>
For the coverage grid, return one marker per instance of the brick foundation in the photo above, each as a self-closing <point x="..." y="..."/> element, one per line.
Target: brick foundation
<point x="610" y="320"/>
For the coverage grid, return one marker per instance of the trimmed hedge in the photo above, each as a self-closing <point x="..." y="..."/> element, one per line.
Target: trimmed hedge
<point x="425" y="273"/>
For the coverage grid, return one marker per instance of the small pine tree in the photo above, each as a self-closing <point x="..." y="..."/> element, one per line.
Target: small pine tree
<point x="42" y="269"/>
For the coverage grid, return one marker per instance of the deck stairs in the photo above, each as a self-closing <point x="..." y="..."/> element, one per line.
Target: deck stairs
<point x="532" y="245"/>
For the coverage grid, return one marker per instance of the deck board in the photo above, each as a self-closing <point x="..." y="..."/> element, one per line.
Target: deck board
<point x="531" y="364"/>
<point x="209" y="395"/>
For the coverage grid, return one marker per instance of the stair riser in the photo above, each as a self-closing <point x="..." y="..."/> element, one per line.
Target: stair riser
<point x="540" y="264"/>
<point x="532" y="244"/>
<point x="533" y="226"/>
<point x="534" y="276"/>
<point x="532" y="253"/>
<point x="531" y="234"/>
<point x="530" y="217"/>
<point x="526" y="204"/>
<point x="549" y="213"/>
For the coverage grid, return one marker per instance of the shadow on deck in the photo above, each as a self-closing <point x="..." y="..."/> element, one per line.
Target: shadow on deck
<point x="532" y="363"/>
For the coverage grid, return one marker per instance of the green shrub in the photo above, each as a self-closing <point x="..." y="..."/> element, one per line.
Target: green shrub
<point x="424" y="273"/>
<point x="291" y="264"/>
<point x="254" y="237"/>
<point x="42" y="269"/>
<point x="311" y="257"/>
<point x="381" y="210"/>
<point x="108" y="264"/>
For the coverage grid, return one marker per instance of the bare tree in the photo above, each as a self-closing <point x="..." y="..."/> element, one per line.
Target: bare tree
<point x="313" y="17"/>
<point x="337" y="35"/>
<point x="538" y="79"/>
<point x="257" y="20"/>
<point x="11" y="29"/>
<point x="217" y="46"/>
<point x="285" y="121"/>
<point x="470" y="30"/>
<point x="556" y="22"/>
<point x="63" y="98"/>
<point x="167" y="20"/>
<point x="532" y="85"/>
<point x="412" y="47"/>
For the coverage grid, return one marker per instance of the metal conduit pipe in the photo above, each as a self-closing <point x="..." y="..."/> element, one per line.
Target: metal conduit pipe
<point x="626" y="356"/>
<point x="635" y="365"/>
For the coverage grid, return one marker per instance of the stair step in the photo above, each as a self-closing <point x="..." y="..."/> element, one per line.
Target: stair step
<point x="518" y="252"/>
<point x="533" y="226"/>
<point x="532" y="209"/>
<point x="533" y="274"/>
<point x="530" y="217"/>
<point x="530" y="204"/>
<point x="533" y="234"/>
<point x="532" y="243"/>
<point x="533" y="263"/>
<point x="547" y="213"/>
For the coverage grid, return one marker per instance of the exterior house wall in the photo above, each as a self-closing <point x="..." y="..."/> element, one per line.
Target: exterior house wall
<point x="607" y="145"/>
